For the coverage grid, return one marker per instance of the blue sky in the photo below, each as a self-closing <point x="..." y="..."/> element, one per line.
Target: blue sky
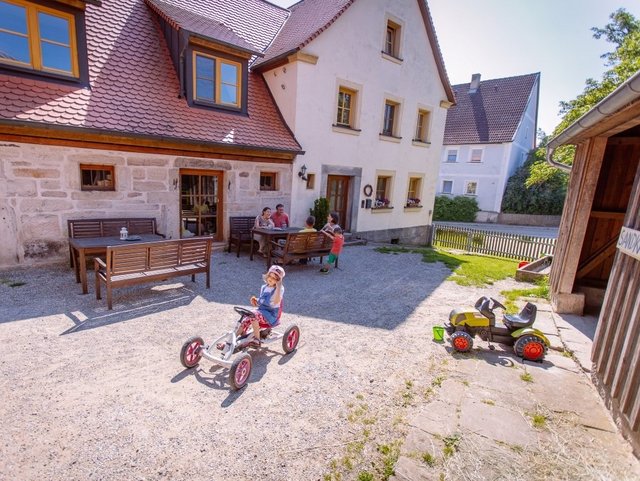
<point x="502" y="38"/>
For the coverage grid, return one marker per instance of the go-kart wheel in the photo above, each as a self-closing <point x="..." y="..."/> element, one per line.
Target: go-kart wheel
<point x="531" y="348"/>
<point x="242" y="311"/>
<point x="290" y="339"/>
<point x="240" y="371"/>
<point x="191" y="352"/>
<point x="461" y="341"/>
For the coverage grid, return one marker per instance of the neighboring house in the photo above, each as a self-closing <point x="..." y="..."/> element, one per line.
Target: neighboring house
<point x="160" y="108"/>
<point x="363" y="87"/>
<point x="596" y="265"/>
<point x="488" y="134"/>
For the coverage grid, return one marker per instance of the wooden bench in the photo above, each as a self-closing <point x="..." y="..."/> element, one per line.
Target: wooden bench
<point x="300" y="245"/>
<point x="85" y="228"/>
<point x="240" y="231"/>
<point x="152" y="261"/>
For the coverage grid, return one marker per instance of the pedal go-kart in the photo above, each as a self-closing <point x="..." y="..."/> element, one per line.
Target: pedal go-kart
<point x="464" y="324"/>
<point x="222" y="350"/>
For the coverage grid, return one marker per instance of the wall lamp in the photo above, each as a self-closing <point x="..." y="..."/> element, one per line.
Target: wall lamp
<point x="303" y="172"/>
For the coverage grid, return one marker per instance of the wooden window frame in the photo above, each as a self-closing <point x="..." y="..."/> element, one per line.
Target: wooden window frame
<point x="217" y="80"/>
<point x="34" y="40"/>
<point x="391" y="45"/>
<point x="274" y="178"/>
<point x="311" y="181"/>
<point x="110" y="169"/>
<point x="422" y="126"/>
<point x="414" y="191"/>
<point x="385" y="193"/>
<point x="351" y="109"/>
<point x="394" y="119"/>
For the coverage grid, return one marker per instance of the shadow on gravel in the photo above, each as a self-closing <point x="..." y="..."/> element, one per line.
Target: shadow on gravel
<point x="503" y="356"/>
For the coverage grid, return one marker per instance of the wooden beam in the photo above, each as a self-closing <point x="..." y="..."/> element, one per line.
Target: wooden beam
<point x="624" y="141"/>
<point x="598" y="257"/>
<point x="601" y="214"/>
<point x="619" y="122"/>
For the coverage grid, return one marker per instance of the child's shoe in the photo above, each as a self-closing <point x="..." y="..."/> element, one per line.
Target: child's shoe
<point x="254" y="342"/>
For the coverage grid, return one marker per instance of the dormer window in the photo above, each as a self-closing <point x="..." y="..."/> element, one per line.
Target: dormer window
<point x="39" y="38"/>
<point x="216" y="80"/>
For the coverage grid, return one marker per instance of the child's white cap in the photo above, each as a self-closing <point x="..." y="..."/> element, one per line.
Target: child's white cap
<point x="277" y="271"/>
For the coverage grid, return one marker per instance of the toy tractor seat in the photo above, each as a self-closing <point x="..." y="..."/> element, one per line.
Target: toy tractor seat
<point x="526" y="318"/>
<point x="484" y="307"/>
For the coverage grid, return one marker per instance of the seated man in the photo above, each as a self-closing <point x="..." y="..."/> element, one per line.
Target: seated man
<point x="280" y="218"/>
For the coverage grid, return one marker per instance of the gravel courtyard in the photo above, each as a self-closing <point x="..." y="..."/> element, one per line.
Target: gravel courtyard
<point x="92" y="394"/>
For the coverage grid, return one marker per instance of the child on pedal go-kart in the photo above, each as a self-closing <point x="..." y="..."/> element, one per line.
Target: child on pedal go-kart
<point x="268" y="305"/>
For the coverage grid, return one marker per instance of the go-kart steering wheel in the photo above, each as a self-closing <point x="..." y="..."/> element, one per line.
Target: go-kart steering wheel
<point x="242" y="311"/>
<point x="496" y="304"/>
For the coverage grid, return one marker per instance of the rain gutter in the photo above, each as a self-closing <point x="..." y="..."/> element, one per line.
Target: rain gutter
<point x="626" y="93"/>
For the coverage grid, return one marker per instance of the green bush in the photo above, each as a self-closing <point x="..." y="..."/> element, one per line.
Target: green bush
<point x="320" y="211"/>
<point x="460" y="208"/>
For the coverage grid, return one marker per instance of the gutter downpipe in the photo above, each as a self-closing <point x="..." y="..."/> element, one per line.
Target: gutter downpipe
<point x="626" y="93"/>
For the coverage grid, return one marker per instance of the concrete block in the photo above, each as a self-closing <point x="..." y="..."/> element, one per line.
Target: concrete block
<point x="564" y="303"/>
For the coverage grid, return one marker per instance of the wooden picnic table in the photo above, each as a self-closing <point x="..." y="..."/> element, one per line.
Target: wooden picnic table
<point x="83" y="246"/>
<point x="270" y="234"/>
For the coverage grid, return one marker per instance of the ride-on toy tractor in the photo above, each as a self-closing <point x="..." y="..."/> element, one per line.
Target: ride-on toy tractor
<point x="222" y="349"/>
<point x="464" y="324"/>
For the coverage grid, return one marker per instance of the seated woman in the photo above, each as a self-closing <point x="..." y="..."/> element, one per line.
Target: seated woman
<point x="263" y="221"/>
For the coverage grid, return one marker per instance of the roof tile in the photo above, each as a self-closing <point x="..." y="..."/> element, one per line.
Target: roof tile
<point x="491" y="114"/>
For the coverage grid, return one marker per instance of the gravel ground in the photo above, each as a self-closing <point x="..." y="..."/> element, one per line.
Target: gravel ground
<point x="91" y="394"/>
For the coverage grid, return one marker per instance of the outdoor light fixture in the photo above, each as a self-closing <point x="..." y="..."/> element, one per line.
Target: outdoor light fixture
<point x="303" y="172"/>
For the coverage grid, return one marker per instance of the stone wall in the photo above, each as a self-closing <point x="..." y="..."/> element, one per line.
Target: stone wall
<point x="418" y="235"/>
<point x="40" y="190"/>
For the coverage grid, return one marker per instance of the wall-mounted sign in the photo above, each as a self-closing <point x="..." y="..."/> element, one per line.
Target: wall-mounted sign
<point x="629" y="242"/>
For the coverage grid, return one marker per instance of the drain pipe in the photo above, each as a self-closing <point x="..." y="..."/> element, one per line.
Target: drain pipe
<point x="627" y="92"/>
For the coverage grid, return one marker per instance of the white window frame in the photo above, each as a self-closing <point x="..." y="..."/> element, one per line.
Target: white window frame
<point x="448" y="153"/>
<point x="466" y="188"/>
<point x="443" y="183"/>
<point x="471" y="152"/>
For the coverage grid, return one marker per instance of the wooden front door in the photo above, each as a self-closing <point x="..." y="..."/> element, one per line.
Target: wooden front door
<point x="338" y="197"/>
<point x="200" y="203"/>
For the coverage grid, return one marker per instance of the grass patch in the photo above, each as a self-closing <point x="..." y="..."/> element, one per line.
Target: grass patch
<point x="468" y="269"/>
<point x="490" y="402"/>
<point x="428" y="459"/>
<point x="526" y="377"/>
<point x="538" y="290"/>
<point x="451" y="444"/>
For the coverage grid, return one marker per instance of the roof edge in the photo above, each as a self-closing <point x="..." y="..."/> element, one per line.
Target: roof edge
<point x="435" y="47"/>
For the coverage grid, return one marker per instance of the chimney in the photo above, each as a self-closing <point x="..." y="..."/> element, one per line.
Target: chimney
<point x="475" y="83"/>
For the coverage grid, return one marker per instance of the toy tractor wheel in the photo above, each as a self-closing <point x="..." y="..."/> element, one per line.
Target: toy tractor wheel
<point x="240" y="371"/>
<point x="290" y="339"/>
<point x="531" y="348"/>
<point x="461" y="341"/>
<point x="191" y="352"/>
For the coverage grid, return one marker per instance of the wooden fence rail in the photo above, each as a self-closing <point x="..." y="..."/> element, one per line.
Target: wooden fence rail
<point x="499" y="244"/>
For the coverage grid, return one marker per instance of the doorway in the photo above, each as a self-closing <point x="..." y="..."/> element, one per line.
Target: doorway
<point x="200" y="203"/>
<point x="338" y="197"/>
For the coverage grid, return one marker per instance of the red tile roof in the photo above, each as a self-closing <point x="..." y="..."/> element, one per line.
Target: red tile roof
<point x="492" y="114"/>
<point x="134" y="87"/>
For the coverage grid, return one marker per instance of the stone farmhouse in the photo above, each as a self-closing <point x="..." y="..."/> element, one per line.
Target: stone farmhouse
<point x="192" y="112"/>
<point x="488" y="134"/>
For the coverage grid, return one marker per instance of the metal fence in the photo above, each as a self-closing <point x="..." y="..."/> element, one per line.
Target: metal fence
<point x="499" y="244"/>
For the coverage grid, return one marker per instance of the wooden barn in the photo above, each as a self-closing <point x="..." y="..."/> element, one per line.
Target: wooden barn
<point x="597" y="262"/>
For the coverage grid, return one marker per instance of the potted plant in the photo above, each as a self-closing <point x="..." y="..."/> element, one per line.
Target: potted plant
<point x="413" y="202"/>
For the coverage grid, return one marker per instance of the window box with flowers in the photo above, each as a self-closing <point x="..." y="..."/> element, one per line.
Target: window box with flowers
<point x="413" y="202"/>
<point x="381" y="203"/>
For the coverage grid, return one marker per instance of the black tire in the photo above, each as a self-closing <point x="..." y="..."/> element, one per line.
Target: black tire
<point x="240" y="371"/>
<point x="191" y="352"/>
<point x="290" y="339"/>
<point x="531" y="348"/>
<point x="461" y="341"/>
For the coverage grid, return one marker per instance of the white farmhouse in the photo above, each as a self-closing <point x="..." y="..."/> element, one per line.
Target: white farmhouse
<point x="363" y="87"/>
<point x="488" y="134"/>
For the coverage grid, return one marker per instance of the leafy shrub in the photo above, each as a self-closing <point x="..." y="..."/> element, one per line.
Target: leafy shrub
<point x="320" y="211"/>
<point x="460" y="208"/>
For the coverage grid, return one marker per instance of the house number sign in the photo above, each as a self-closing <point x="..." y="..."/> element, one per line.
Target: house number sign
<point x="629" y="242"/>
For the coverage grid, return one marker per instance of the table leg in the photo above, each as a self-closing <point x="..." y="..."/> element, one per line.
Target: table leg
<point x="82" y="261"/>
<point x="74" y="264"/>
<point x="251" y="248"/>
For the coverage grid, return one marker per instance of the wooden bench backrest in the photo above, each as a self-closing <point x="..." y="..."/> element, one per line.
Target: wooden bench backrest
<point x="82" y="228"/>
<point x="241" y="224"/>
<point x="128" y="259"/>
<point x="300" y="242"/>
